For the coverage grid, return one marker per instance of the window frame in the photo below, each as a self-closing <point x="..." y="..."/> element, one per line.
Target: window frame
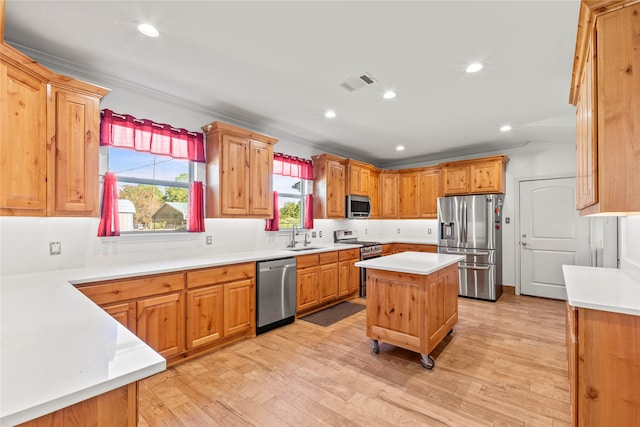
<point x="306" y="188"/>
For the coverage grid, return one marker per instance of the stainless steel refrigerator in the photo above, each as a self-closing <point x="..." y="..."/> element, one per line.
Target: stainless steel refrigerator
<point x="472" y="226"/>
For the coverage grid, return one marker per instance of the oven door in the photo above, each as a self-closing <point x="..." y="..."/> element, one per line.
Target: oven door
<point x="363" y="275"/>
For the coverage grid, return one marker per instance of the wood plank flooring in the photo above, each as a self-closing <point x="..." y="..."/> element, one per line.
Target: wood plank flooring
<point x="504" y="365"/>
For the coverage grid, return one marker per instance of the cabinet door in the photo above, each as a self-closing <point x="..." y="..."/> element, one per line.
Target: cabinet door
<point x="23" y="144"/>
<point x="409" y="189"/>
<point x="335" y="190"/>
<point x="308" y="295"/>
<point x="456" y="180"/>
<point x="374" y="193"/>
<point x="235" y="176"/>
<point x="73" y="158"/>
<point x="328" y="282"/>
<point x="239" y="307"/>
<point x="205" y="315"/>
<point x="343" y="278"/>
<point x="586" y="140"/>
<point x="354" y="276"/>
<point x="429" y="193"/>
<point x="160" y="323"/>
<point x="124" y="313"/>
<point x="486" y="177"/>
<point x="261" y="161"/>
<point x="389" y="195"/>
<point x="572" y="358"/>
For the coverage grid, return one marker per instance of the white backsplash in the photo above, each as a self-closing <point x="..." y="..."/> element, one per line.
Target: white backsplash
<point x="630" y="244"/>
<point x="25" y="241"/>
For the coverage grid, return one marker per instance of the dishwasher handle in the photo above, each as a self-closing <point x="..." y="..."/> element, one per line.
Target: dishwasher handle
<point x="280" y="267"/>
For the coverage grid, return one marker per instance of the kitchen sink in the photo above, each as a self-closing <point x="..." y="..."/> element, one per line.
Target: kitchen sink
<point x="305" y="248"/>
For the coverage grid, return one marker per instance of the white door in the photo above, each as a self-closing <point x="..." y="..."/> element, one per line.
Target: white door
<point x="551" y="234"/>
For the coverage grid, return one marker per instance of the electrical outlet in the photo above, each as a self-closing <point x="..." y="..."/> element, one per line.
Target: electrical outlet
<point x="507" y="220"/>
<point x="55" y="248"/>
<point x="320" y="233"/>
<point x="209" y="239"/>
<point x="366" y="231"/>
<point x="313" y="234"/>
<point x="397" y="230"/>
<point x="428" y="231"/>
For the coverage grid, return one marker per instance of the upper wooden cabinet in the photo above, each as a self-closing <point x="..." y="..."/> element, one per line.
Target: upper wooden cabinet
<point x="419" y="190"/>
<point x="605" y="89"/>
<point x="477" y="176"/>
<point x="389" y="194"/>
<point x="49" y="140"/>
<point x="328" y="187"/>
<point x="357" y="178"/>
<point x="374" y="192"/>
<point x="239" y="169"/>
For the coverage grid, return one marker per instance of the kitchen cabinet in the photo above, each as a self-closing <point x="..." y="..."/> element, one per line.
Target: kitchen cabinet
<point x="604" y="89"/>
<point x="49" y="140"/>
<point x="219" y="303"/>
<point x="415" y="247"/>
<point x="239" y="169"/>
<point x="328" y="276"/>
<point x="324" y="279"/>
<point x="430" y="190"/>
<point x="389" y="194"/>
<point x="602" y="349"/>
<point x="374" y="192"/>
<point x="117" y="407"/>
<point x="328" y="187"/>
<point x="160" y="323"/>
<point x="388" y="249"/>
<point x="125" y="313"/>
<point x="348" y="273"/>
<point x="357" y="178"/>
<point x="409" y="193"/>
<point x="477" y="176"/>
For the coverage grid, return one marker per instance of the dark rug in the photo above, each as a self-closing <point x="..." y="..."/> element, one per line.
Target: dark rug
<point x="334" y="314"/>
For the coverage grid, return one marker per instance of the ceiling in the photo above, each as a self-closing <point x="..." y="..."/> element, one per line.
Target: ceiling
<point x="279" y="65"/>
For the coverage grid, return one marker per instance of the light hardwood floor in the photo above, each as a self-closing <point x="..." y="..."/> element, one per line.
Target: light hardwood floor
<point x="504" y="365"/>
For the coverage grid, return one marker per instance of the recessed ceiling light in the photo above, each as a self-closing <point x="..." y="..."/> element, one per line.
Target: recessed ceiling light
<point x="389" y="94"/>
<point x="475" y="67"/>
<point x="330" y="114"/>
<point x="148" y="30"/>
<point x="400" y="148"/>
<point x="505" y="128"/>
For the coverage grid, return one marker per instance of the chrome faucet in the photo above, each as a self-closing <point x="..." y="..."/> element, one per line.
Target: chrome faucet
<point x="293" y="241"/>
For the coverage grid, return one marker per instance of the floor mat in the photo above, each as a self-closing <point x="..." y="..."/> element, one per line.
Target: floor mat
<point x="334" y="314"/>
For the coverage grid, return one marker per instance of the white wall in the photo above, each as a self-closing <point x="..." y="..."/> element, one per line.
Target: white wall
<point x="630" y="244"/>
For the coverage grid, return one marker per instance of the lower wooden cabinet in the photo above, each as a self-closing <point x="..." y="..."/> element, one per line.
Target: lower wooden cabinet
<point x="326" y="278"/>
<point x="183" y="314"/>
<point x="117" y="407"/>
<point x="604" y="361"/>
<point x="160" y="323"/>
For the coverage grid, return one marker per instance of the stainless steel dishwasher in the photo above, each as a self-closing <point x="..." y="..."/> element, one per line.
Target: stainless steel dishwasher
<point x="275" y="294"/>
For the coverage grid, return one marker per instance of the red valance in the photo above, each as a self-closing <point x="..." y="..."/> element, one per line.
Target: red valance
<point x="292" y="166"/>
<point x="125" y="131"/>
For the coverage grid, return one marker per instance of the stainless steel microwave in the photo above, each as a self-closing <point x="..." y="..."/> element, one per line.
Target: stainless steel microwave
<point x="358" y="206"/>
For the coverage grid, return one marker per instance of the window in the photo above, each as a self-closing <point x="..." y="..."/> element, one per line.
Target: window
<point x="291" y="200"/>
<point x="153" y="190"/>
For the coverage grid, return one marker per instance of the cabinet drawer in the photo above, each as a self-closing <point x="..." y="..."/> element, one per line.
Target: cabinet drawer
<point x="349" y="254"/>
<point x="328" y="257"/>
<point x="127" y="289"/>
<point x="226" y="273"/>
<point x="305" y="261"/>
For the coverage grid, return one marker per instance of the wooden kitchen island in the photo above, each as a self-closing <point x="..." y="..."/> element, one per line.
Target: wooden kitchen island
<point x="412" y="300"/>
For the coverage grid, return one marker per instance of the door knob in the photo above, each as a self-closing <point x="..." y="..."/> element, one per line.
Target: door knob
<point x="523" y="243"/>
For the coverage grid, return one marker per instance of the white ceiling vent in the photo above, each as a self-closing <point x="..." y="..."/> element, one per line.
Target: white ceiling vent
<point x="355" y="83"/>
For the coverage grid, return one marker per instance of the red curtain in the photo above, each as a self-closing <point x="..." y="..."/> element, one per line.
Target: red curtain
<point x="109" y="224"/>
<point x="292" y="166"/>
<point x="308" y="212"/>
<point x="196" y="207"/>
<point x="273" y="224"/>
<point x="125" y="131"/>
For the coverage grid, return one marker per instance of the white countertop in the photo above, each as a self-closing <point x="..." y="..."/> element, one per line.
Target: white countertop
<point x="411" y="262"/>
<point x="598" y="288"/>
<point x="58" y="348"/>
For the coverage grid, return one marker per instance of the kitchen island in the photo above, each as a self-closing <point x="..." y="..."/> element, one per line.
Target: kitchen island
<point x="412" y="300"/>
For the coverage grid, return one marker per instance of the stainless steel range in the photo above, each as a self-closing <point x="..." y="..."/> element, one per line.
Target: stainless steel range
<point x="368" y="250"/>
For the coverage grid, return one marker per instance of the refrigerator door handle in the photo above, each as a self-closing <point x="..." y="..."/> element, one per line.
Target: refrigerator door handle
<point x="465" y="252"/>
<point x="474" y="267"/>
<point x="464" y="219"/>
